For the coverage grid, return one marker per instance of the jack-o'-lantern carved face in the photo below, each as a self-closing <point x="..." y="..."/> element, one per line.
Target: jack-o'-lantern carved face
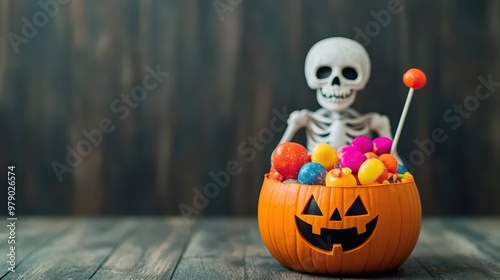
<point x="339" y="230"/>
<point x="347" y="238"/>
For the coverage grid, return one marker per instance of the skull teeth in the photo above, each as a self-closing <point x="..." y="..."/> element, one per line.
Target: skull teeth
<point x="337" y="95"/>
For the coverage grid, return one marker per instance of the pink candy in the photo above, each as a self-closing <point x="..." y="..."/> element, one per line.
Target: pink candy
<point x="352" y="158"/>
<point x="382" y="145"/>
<point x="362" y="144"/>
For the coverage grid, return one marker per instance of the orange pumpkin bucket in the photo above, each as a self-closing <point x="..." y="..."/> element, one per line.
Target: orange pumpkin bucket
<point x="339" y="230"/>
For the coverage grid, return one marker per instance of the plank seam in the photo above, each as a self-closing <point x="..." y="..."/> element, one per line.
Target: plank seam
<point x="113" y="250"/>
<point x="194" y="228"/>
<point x="48" y="241"/>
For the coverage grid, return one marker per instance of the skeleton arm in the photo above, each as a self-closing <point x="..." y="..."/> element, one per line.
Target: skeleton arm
<point x="296" y="121"/>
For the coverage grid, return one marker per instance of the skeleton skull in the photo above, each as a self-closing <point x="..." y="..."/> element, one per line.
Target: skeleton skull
<point x="337" y="68"/>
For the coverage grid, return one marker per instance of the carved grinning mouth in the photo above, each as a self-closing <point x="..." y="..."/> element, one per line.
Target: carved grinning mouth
<point x="348" y="238"/>
<point x="337" y="94"/>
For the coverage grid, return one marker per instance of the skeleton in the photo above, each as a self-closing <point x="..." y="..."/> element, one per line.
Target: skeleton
<point x="337" y="68"/>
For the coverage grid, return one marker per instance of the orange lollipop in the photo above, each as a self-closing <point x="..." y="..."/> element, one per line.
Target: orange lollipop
<point x="414" y="79"/>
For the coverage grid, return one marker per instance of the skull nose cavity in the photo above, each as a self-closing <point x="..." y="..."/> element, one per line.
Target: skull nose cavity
<point x="336" y="81"/>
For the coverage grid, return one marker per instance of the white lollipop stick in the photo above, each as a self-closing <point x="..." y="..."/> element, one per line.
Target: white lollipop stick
<point x="402" y="120"/>
<point x="414" y="79"/>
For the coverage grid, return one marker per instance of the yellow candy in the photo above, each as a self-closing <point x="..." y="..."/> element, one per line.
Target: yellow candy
<point x="340" y="178"/>
<point x="325" y="155"/>
<point x="372" y="171"/>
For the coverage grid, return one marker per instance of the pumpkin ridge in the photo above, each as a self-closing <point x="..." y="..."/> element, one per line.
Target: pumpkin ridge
<point x="390" y="264"/>
<point x="284" y="225"/>
<point x="417" y="216"/>
<point x="296" y="235"/>
<point x="370" y="196"/>
<point x="273" y="213"/>
<point x="270" y="234"/>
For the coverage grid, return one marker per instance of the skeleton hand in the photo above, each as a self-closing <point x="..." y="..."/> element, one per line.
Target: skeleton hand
<point x="296" y="121"/>
<point x="381" y="125"/>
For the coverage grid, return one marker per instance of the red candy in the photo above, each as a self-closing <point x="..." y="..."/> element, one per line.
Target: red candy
<point x="288" y="158"/>
<point x="273" y="174"/>
<point x="415" y="78"/>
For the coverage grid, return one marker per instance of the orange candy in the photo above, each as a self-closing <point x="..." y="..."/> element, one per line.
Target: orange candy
<point x="371" y="155"/>
<point x="415" y="78"/>
<point x="390" y="162"/>
<point x="340" y="178"/>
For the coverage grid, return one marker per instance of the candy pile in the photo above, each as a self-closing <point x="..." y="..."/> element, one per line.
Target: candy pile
<point x="363" y="162"/>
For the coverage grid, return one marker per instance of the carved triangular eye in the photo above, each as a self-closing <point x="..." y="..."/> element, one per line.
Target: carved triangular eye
<point x="357" y="208"/>
<point x="336" y="216"/>
<point x="312" y="208"/>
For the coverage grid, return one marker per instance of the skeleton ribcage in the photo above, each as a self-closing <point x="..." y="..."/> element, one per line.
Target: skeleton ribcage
<point x="336" y="132"/>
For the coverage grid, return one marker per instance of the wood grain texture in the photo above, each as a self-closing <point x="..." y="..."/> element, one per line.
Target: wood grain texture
<point x="151" y="252"/>
<point x="31" y="234"/>
<point x="216" y="244"/>
<point x="453" y="251"/>
<point x="227" y="73"/>
<point x="225" y="248"/>
<point x="77" y="254"/>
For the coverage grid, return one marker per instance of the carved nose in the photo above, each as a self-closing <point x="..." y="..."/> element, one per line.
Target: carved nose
<point x="336" y="216"/>
<point x="336" y="81"/>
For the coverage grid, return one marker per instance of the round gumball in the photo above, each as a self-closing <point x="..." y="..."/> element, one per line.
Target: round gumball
<point x="371" y="155"/>
<point x="362" y="144"/>
<point x="352" y="158"/>
<point x="415" y="78"/>
<point x="340" y="178"/>
<point x="382" y="145"/>
<point x="390" y="162"/>
<point x="312" y="173"/>
<point x="324" y="154"/>
<point x="372" y="171"/>
<point x="288" y="158"/>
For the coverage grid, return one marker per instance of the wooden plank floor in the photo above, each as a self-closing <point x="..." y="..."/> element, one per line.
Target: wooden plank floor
<point x="220" y="248"/>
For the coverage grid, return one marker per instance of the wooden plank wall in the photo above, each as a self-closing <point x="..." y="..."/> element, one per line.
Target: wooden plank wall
<point x="225" y="77"/>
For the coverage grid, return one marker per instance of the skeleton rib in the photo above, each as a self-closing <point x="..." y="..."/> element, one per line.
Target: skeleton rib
<point x="355" y="132"/>
<point x="316" y="129"/>
<point x="319" y="116"/>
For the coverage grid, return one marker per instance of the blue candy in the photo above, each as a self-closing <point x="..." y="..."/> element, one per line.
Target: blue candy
<point x="402" y="169"/>
<point x="312" y="173"/>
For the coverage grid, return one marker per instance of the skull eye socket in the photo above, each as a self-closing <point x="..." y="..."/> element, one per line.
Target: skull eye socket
<point x="357" y="208"/>
<point x="323" y="72"/>
<point x="349" y="73"/>
<point x="312" y="208"/>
